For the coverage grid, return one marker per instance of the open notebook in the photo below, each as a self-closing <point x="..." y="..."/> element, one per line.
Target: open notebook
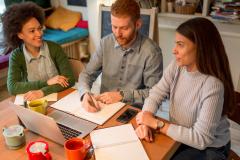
<point x="71" y="104"/>
<point x="117" y="143"/>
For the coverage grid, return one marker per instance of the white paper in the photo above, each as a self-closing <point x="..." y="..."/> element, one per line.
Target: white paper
<point x="117" y="143"/>
<point x="71" y="104"/>
<point x="19" y="99"/>
<point x="119" y="134"/>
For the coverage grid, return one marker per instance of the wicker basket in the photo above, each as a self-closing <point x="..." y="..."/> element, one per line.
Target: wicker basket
<point x="186" y="9"/>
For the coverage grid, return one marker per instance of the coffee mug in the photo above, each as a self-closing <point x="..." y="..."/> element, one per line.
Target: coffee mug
<point x="14" y="136"/>
<point x="76" y="148"/>
<point x="38" y="150"/>
<point x="39" y="106"/>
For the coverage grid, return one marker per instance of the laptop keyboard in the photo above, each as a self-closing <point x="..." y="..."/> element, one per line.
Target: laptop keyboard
<point x="68" y="132"/>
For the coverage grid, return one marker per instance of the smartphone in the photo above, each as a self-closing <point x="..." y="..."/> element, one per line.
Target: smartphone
<point x="127" y="115"/>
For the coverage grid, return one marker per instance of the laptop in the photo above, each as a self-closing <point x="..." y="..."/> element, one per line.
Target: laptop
<point x="57" y="126"/>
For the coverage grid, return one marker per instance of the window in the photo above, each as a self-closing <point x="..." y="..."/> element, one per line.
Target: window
<point x="2" y="6"/>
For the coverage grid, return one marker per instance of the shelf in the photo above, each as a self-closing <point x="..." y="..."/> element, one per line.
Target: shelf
<point x="205" y="7"/>
<point x="173" y="20"/>
<point x="175" y="15"/>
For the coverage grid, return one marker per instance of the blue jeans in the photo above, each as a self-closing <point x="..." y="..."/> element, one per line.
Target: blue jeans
<point x="188" y="153"/>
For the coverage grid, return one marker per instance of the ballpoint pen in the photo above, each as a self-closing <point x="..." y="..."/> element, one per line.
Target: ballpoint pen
<point x="92" y="102"/>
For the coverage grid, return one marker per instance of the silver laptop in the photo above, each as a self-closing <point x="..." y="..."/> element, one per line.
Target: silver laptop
<point x="57" y="126"/>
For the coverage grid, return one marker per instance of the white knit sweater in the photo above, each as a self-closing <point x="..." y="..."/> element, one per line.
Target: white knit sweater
<point x="196" y="103"/>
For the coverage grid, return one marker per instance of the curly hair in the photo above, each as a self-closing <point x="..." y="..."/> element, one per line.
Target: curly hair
<point x="122" y="8"/>
<point x="15" y="17"/>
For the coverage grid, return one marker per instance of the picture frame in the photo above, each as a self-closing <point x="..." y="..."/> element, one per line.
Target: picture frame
<point x="81" y="3"/>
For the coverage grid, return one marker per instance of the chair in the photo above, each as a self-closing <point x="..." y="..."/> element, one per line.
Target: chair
<point x="77" y="67"/>
<point x="148" y="16"/>
<point x="236" y="118"/>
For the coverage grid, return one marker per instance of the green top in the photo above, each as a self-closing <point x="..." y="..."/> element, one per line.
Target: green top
<point x="17" y="81"/>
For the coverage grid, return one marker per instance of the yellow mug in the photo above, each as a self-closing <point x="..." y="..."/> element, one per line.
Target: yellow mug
<point x="39" y="106"/>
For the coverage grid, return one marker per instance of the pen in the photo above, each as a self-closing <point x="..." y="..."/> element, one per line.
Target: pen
<point x="92" y="102"/>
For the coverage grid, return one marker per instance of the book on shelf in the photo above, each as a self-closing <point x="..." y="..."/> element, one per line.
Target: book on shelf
<point x="226" y="10"/>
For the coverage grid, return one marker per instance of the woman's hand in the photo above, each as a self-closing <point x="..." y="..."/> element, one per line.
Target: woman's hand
<point x="144" y="132"/>
<point x="63" y="81"/>
<point x="147" y="119"/>
<point x="32" y="95"/>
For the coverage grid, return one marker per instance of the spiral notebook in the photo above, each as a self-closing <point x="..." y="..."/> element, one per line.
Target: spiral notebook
<point x="117" y="143"/>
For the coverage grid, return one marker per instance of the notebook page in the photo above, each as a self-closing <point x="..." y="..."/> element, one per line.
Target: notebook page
<point x="117" y="143"/>
<point x="127" y="151"/>
<point x="101" y="116"/>
<point x="113" y="135"/>
<point x="71" y="104"/>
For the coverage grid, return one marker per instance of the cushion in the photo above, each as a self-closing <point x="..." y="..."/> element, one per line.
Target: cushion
<point x="62" y="37"/>
<point x="82" y="24"/>
<point x="63" y="19"/>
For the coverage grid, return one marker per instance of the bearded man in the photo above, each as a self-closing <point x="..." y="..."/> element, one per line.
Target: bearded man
<point x="130" y="62"/>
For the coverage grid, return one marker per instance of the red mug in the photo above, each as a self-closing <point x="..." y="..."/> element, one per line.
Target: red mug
<point x="76" y="148"/>
<point x="38" y="150"/>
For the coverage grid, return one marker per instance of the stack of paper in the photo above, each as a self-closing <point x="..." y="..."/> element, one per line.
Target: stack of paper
<point x="71" y="104"/>
<point x="19" y="99"/>
<point x="117" y="143"/>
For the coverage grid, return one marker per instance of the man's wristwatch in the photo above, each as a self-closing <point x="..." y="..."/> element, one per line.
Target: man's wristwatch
<point x="160" y="124"/>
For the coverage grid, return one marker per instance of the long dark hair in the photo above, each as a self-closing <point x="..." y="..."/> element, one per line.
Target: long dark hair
<point x="211" y="57"/>
<point x="15" y="17"/>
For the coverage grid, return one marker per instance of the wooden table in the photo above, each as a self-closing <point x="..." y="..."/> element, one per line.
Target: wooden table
<point x="162" y="148"/>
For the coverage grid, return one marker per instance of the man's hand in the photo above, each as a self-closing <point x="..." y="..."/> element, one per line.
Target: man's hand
<point x="63" y="81"/>
<point x="144" y="132"/>
<point x="109" y="97"/>
<point x="89" y="103"/>
<point x="147" y="119"/>
<point x="32" y="95"/>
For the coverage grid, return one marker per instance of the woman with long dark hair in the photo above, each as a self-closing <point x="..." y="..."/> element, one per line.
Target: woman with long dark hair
<point x="201" y="94"/>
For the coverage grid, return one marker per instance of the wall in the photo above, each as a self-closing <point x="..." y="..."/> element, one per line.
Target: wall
<point x="63" y="3"/>
<point x="232" y="46"/>
<point x="2" y="6"/>
<point x="93" y="12"/>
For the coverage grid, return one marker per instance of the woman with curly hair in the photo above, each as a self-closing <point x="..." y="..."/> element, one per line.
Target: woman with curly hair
<point x="36" y="67"/>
